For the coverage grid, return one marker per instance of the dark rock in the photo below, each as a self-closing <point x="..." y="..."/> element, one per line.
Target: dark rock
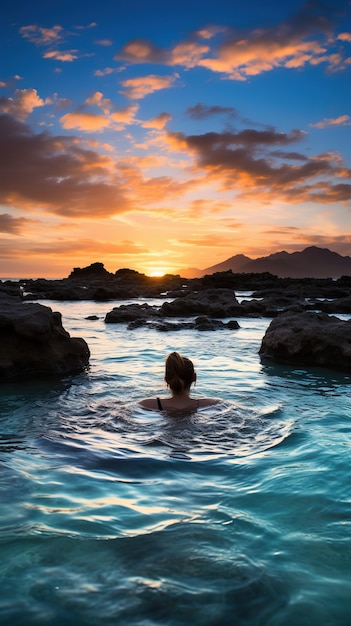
<point x="131" y="313"/>
<point x="93" y="271"/>
<point x="201" y="323"/>
<point x="233" y="325"/>
<point x="308" y="338"/>
<point x="11" y="288"/>
<point x="339" y="305"/>
<point x="93" y="318"/>
<point x="35" y="344"/>
<point x="211" y="302"/>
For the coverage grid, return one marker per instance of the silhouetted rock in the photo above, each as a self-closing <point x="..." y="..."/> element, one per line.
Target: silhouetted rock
<point x="211" y="302"/>
<point x="34" y="342"/>
<point x="339" y="305"/>
<point x="308" y="338"/>
<point x="131" y="313"/>
<point x="201" y="323"/>
<point x="11" y="288"/>
<point x="93" y="271"/>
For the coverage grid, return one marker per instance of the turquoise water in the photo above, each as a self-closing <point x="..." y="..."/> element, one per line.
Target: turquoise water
<point x="238" y="514"/>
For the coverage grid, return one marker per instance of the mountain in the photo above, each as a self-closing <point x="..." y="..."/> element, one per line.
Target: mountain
<point x="312" y="262"/>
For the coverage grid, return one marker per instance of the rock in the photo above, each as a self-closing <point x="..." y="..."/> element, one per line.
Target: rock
<point x="210" y="302"/>
<point x="34" y="342"/>
<point x="131" y="313"/>
<point x="339" y="305"/>
<point x="314" y="339"/>
<point x="93" y="271"/>
<point x="202" y="323"/>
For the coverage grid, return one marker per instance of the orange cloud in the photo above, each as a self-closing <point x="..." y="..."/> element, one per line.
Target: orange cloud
<point x="10" y="82"/>
<point x="89" y="121"/>
<point x="84" y="121"/>
<point x="126" y="115"/>
<point x="142" y="51"/>
<point x="42" y="36"/>
<point x="137" y="88"/>
<point x="304" y="38"/>
<point x="104" y="72"/>
<point x="245" y="162"/>
<point x="188" y="54"/>
<point x="342" y="120"/>
<point x="12" y="225"/>
<point x="22" y="104"/>
<point x="159" y="122"/>
<point x="68" y="56"/>
<point x="344" y="37"/>
<point x="97" y="99"/>
<point x="56" y="174"/>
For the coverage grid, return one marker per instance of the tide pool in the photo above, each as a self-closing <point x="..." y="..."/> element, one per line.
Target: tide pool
<point x="237" y="514"/>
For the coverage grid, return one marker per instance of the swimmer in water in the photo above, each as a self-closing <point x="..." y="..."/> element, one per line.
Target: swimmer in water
<point x="179" y="376"/>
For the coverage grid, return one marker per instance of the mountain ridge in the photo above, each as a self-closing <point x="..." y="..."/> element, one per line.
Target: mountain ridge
<point x="312" y="262"/>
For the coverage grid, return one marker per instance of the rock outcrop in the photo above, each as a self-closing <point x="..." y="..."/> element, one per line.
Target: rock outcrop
<point x="210" y="302"/>
<point x="312" y="339"/>
<point x="35" y="344"/>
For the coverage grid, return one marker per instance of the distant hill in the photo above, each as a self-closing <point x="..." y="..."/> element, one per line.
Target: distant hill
<point x="312" y="262"/>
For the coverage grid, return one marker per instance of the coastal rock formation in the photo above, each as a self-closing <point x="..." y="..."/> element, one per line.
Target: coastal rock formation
<point x="130" y="313"/>
<point x="308" y="338"/>
<point x="201" y="323"/>
<point x="34" y="342"/>
<point x="210" y="302"/>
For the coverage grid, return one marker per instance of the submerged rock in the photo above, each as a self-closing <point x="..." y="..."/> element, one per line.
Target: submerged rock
<point x="314" y="339"/>
<point x="34" y="342"/>
<point x="201" y="323"/>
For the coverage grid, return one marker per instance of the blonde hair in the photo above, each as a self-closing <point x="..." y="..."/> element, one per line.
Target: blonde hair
<point x="179" y="372"/>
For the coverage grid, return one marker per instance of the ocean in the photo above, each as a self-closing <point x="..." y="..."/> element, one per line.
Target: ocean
<point x="237" y="514"/>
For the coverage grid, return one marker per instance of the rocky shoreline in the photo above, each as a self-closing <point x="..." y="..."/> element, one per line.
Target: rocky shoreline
<point x="269" y="295"/>
<point x="302" y="330"/>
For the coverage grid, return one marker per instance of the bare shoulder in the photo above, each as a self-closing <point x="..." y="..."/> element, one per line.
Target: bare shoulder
<point x="208" y="401"/>
<point x="149" y="403"/>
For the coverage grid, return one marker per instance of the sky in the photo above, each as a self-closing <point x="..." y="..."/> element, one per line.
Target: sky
<point x="160" y="135"/>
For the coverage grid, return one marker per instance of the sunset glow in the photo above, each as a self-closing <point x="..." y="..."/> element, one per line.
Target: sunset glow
<point x="159" y="137"/>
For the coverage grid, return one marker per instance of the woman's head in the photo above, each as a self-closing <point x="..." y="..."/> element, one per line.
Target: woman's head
<point x="179" y="373"/>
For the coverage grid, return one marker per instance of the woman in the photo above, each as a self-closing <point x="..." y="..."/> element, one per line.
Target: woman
<point x="179" y="376"/>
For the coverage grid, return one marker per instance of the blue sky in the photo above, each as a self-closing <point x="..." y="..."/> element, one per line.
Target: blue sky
<point x="160" y="136"/>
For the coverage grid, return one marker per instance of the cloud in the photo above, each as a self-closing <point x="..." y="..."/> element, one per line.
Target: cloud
<point x="203" y="111"/>
<point x="105" y="72"/>
<point x="159" y="122"/>
<point x="12" y="225"/>
<point x="142" y="51"/>
<point x="248" y="163"/>
<point x="9" y="83"/>
<point x="342" y="120"/>
<point x="66" y="57"/>
<point x="51" y="39"/>
<point x="137" y="88"/>
<point x="126" y="115"/>
<point x="42" y="36"/>
<point x="97" y="99"/>
<point x="306" y="38"/>
<point x="109" y="118"/>
<point x="56" y="174"/>
<point x="22" y="104"/>
<point x="84" y="121"/>
<point x="344" y="37"/>
<point x="104" y="42"/>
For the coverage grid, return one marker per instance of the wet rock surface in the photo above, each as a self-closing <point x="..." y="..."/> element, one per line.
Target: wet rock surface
<point x="35" y="344"/>
<point x="308" y="338"/>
